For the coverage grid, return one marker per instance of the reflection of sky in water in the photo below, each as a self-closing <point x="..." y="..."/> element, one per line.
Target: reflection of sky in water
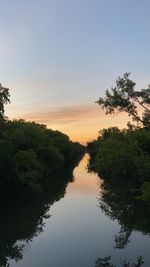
<point x="78" y="232"/>
<point x="85" y="183"/>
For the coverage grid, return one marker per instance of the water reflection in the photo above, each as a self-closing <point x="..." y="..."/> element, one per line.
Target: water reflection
<point x="118" y="203"/>
<point x="21" y="220"/>
<point x="79" y="231"/>
<point x="106" y="262"/>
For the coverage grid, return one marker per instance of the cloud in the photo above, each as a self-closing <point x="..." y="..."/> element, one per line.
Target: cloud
<point x="81" y="122"/>
<point x="65" y="114"/>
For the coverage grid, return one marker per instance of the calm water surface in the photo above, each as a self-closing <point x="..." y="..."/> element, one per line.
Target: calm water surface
<point x="70" y="232"/>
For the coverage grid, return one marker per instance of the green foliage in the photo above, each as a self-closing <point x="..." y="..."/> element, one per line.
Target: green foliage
<point x="32" y="155"/>
<point x="145" y="192"/>
<point x="124" y="98"/>
<point x="27" y="167"/>
<point x="122" y="155"/>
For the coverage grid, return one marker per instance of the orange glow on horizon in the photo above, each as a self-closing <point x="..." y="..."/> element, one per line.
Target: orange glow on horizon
<point x="81" y="123"/>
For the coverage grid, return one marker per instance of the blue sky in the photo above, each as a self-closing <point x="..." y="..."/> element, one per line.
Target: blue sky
<point x="58" y="56"/>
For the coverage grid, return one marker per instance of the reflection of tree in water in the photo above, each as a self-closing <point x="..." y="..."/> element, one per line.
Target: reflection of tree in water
<point x="21" y="220"/>
<point x="106" y="262"/>
<point x="122" y="238"/>
<point x="118" y="203"/>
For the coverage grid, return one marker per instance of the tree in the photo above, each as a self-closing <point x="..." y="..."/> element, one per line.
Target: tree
<point x="124" y="98"/>
<point x="4" y="99"/>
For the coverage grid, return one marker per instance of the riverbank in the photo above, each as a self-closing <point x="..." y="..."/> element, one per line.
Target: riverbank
<point x="123" y="157"/>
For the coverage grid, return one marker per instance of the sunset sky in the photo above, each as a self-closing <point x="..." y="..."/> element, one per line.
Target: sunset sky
<point x="58" y="56"/>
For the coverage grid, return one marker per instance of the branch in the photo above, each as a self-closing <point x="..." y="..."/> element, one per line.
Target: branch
<point x="134" y="115"/>
<point x="140" y="103"/>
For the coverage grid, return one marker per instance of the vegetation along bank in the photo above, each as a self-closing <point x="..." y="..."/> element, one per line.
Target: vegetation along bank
<point x="31" y="156"/>
<point x="123" y="156"/>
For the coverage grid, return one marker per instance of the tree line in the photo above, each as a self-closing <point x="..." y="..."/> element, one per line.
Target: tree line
<point x="125" y="154"/>
<point x="31" y="156"/>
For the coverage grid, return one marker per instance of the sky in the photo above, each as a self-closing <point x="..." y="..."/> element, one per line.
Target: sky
<point x="58" y="57"/>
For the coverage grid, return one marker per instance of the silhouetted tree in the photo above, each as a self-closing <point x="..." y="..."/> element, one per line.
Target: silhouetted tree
<point x="124" y="97"/>
<point x="4" y="99"/>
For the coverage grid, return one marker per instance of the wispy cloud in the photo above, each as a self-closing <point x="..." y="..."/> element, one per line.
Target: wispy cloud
<point x="65" y="114"/>
<point x="81" y="122"/>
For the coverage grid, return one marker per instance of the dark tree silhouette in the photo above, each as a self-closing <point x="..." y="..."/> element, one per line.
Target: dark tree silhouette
<point x="4" y="99"/>
<point x="124" y="98"/>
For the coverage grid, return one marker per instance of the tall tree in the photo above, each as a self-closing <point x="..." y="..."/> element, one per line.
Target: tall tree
<point x="124" y="98"/>
<point x="4" y="99"/>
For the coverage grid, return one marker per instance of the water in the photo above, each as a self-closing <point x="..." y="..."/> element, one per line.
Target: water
<point x="67" y="230"/>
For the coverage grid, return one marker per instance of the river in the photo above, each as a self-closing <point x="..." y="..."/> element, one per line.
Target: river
<point x="70" y="232"/>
